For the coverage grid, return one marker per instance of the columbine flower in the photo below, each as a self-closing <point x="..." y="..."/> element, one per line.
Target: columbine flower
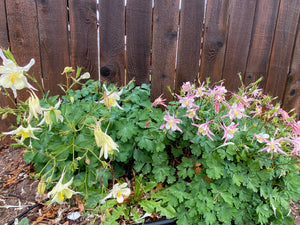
<point x="295" y="126"/>
<point x="296" y="142"/>
<point x="186" y="87"/>
<point x="258" y="111"/>
<point x="204" y="129"/>
<point x="218" y="94"/>
<point x="261" y="137"/>
<point x="192" y="113"/>
<point x="13" y="75"/>
<point x="47" y="116"/>
<point x="104" y="141"/>
<point x="200" y="91"/>
<point x="118" y="192"/>
<point x="159" y="101"/>
<point x="24" y="132"/>
<point x="244" y="100"/>
<point x="111" y="98"/>
<point x="229" y="131"/>
<point x="60" y="192"/>
<point x="186" y="101"/>
<point x="34" y="106"/>
<point x="236" y="111"/>
<point x="171" y="123"/>
<point x="273" y="146"/>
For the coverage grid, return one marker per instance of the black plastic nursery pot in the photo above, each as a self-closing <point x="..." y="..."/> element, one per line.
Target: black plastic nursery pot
<point x="160" y="222"/>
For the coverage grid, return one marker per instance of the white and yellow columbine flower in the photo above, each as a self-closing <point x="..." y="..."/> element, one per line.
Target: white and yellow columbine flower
<point x="13" y="75"/>
<point x="24" y="132"/>
<point x="47" y="115"/>
<point x="111" y="98"/>
<point x="118" y="192"/>
<point x="104" y="141"/>
<point x="61" y="191"/>
<point x="34" y="106"/>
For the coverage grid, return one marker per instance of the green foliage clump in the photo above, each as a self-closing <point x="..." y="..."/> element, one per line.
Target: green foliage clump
<point x="208" y="158"/>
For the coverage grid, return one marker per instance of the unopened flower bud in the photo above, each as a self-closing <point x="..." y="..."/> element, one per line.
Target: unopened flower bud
<point x="86" y="75"/>
<point x="4" y="116"/>
<point x="41" y="187"/>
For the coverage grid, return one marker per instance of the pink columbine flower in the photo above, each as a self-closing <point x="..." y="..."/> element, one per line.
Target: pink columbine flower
<point x="186" y="87"/>
<point x="219" y="90"/>
<point x="236" y="111"/>
<point x="200" y="91"/>
<point x="244" y="100"/>
<point x="218" y="94"/>
<point x="204" y="130"/>
<point x="273" y="146"/>
<point x="229" y="131"/>
<point x="296" y="126"/>
<point x="192" y="113"/>
<point x="261" y="137"/>
<point x="159" y="101"/>
<point x="258" y="111"/>
<point x="186" y="101"/>
<point x="284" y="114"/>
<point x="217" y="101"/>
<point x="256" y="92"/>
<point x="171" y="123"/>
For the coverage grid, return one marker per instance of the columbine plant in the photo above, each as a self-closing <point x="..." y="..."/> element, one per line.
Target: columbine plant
<point x="209" y="157"/>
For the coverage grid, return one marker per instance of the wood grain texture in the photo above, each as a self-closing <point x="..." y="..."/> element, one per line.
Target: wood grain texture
<point x="138" y="45"/>
<point x="292" y="93"/>
<point x="214" y="41"/>
<point x="165" y="27"/>
<point x="262" y="39"/>
<point x="238" y="43"/>
<point x="189" y="43"/>
<point x="24" y="38"/>
<point x="54" y="44"/>
<point x="83" y="29"/>
<point x="112" y="47"/>
<point x="283" y="44"/>
<point x="3" y="28"/>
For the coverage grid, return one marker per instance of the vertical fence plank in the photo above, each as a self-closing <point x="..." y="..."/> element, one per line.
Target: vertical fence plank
<point x="3" y="27"/>
<point x="138" y="32"/>
<point x="239" y="35"/>
<point x="262" y="37"/>
<point x="83" y="28"/>
<point x="112" y="47"/>
<point x="165" y="27"/>
<point x="286" y="27"/>
<point x="214" y="41"/>
<point x="292" y="93"/>
<point x="189" y="43"/>
<point x="54" y="45"/>
<point x="24" y="37"/>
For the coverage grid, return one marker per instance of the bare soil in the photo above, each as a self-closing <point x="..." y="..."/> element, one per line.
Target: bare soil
<point x="18" y="192"/>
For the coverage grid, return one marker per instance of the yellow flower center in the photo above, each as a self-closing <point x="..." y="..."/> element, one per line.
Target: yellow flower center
<point x="272" y="146"/>
<point x="231" y="131"/>
<point x="236" y="112"/>
<point x="171" y="124"/>
<point x="61" y="195"/>
<point x="12" y="77"/>
<point x="119" y="193"/>
<point x="186" y="102"/>
<point x="24" y="133"/>
<point x="201" y="130"/>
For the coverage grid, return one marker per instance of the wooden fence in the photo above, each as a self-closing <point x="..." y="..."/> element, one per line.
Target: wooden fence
<point x="173" y="40"/>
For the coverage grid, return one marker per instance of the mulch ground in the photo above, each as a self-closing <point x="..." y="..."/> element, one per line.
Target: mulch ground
<point x="18" y="192"/>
